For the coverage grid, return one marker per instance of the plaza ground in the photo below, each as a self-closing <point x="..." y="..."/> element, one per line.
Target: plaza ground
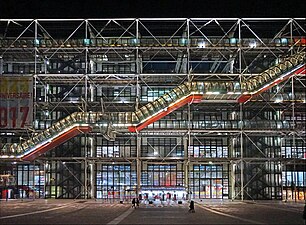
<point x="51" y="211"/>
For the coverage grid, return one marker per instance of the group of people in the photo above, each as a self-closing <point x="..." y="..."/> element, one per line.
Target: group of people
<point x="135" y="203"/>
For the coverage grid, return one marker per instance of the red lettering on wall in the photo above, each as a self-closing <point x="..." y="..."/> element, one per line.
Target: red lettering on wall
<point x="25" y="111"/>
<point x="3" y="117"/>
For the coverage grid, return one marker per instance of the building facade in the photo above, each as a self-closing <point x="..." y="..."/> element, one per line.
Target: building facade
<point x="217" y="147"/>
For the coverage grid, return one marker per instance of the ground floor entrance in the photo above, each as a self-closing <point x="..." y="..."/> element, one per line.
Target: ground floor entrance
<point x="151" y="180"/>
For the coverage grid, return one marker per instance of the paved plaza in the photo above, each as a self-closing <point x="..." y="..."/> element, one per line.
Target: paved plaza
<point x="53" y="211"/>
<point x="97" y="212"/>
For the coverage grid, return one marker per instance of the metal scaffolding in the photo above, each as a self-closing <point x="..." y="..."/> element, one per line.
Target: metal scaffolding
<point x="119" y="65"/>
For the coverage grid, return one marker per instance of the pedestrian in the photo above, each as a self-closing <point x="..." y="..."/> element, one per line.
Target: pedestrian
<point x="137" y="202"/>
<point x="133" y="203"/>
<point x="191" y="207"/>
<point x="304" y="214"/>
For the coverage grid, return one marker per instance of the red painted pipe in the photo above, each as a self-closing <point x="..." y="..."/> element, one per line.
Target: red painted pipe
<point x="56" y="142"/>
<point x="247" y="97"/>
<point x="189" y="99"/>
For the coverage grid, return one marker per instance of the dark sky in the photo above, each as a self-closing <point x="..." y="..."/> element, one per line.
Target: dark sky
<point x="149" y="8"/>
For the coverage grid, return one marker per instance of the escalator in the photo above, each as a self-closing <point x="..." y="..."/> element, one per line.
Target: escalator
<point x="187" y="93"/>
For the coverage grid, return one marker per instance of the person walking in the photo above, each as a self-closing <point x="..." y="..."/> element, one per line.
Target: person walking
<point x="191" y="207"/>
<point x="133" y="203"/>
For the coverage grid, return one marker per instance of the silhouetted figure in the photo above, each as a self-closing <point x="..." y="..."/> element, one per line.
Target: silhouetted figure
<point x="191" y="207"/>
<point x="133" y="203"/>
<point x="137" y="202"/>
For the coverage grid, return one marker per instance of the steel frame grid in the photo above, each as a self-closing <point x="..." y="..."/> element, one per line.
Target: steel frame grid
<point x="242" y="67"/>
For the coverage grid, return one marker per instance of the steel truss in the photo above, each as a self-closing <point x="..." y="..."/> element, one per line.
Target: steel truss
<point x="108" y="64"/>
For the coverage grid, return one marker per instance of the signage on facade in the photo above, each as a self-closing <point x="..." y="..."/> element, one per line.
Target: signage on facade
<point x="16" y="102"/>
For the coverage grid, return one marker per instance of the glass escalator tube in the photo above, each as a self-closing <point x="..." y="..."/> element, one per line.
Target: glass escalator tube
<point x="73" y="117"/>
<point x="35" y="140"/>
<point x="139" y="115"/>
<point x="57" y="127"/>
<point x="145" y="111"/>
<point x="30" y="143"/>
<point x="92" y="117"/>
<point x="243" y="86"/>
<point x="288" y="64"/>
<point x="121" y="118"/>
<point x="151" y="108"/>
<point x="282" y="66"/>
<point x="69" y="120"/>
<point x="200" y="87"/>
<point x="220" y="87"/>
<point x="84" y="117"/>
<point x="230" y="86"/>
<point x="194" y="88"/>
<point x="248" y="85"/>
<point x="128" y="117"/>
<point x="207" y="87"/>
<point x="47" y="133"/>
<point x="168" y="98"/>
<point x="52" y="131"/>
<point x="19" y="149"/>
<point x="157" y="106"/>
<point x="135" y="119"/>
<point x="41" y="137"/>
<point x="12" y="149"/>
<point x="79" y="117"/>
<point x="271" y="73"/>
<point x="173" y="95"/>
<point x="294" y="61"/>
<point x="184" y="88"/>
<point x="264" y="78"/>
<point x="259" y="82"/>
<point x="63" y="124"/>
<point x="178" y="91"/>
<point x="278" y="71"/>
<point x="25" y="146"/>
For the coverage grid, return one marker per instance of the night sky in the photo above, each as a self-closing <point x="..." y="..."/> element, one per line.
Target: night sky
<point x="151" y="9"/>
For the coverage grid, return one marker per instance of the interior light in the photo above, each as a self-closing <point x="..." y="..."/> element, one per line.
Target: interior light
<point x="134" y="41"/>
<point x="233" y="41"/>
<point x="278" y="100"/>
<point x="201" y="44"/>
<point x="86" y="41"/>
<point x="183" y="41"/>
<point x="284" y="41"/>
<point x="104" y="58"/>
<point x="36" y="42"/>
<point x="252" y="44"/>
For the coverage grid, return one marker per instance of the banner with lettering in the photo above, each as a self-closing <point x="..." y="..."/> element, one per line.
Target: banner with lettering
<point x="16" y="102"/>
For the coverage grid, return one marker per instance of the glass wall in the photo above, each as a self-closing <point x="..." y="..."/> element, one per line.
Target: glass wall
<point x="30" y="181"/>
<point x="208" y="181"/>
<point x="294" y="185"/>
<point x="121" y="147"/>
<point x="115" y="181"/>
<point x="159" y="175"/>
<point x="215" y="147"/>
<point x="162" y="147"/>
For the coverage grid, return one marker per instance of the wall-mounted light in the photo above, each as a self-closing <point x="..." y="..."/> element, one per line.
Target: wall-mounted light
<point x="252" y="44"/>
